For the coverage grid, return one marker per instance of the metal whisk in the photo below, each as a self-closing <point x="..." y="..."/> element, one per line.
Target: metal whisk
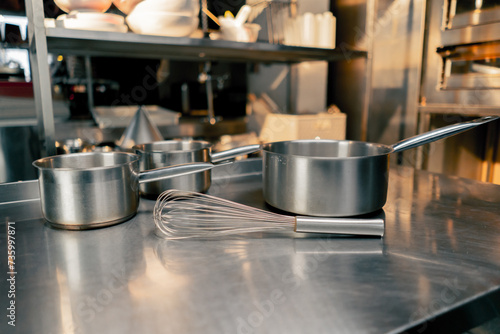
<point x="182" y="214"/>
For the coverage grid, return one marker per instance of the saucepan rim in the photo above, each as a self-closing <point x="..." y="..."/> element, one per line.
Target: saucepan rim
<point x="143" y="148"/>
<point x="267" y="148"/>
<point x="42" y="164"/>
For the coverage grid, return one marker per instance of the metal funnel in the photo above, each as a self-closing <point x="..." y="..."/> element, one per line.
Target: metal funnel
<point x="141" y="130"/>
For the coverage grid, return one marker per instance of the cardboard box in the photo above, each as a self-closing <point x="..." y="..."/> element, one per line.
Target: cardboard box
<point x="279" y="127"/>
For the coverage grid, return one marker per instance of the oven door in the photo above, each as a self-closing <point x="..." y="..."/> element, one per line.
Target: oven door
<point x="461" y="68"/>
<point x="461" y="79"/>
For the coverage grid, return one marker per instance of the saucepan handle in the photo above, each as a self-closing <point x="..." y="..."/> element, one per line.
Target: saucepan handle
<point x="234" y="152"/>
<point x="350" y="226"/>
<point x="173" y="171"/>
<point x="190" y="168"/>
<point x="447" y="131"/>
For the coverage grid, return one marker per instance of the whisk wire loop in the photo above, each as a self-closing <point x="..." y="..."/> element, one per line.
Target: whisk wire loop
<point x="182" y="214"/>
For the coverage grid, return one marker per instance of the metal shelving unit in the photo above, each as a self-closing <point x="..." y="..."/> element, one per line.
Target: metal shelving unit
<point x="44" y="40"/>
<point x="116" y="44"/>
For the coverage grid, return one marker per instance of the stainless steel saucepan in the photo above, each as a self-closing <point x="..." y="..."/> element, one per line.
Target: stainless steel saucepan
<point x="89" y="190"/>
<point x="175" y="152"/>
<point x="337" y="178"/>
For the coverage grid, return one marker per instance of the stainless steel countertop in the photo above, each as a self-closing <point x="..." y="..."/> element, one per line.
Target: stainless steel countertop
<point x="436" y="266"/>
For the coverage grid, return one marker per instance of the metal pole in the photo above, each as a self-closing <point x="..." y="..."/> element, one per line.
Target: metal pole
<point x="90" y="84"/>
<point x="42" y="88"/>
<point x="204" y="17"/>
<point x="210" y="93"/>
<point x="371" y="10"/>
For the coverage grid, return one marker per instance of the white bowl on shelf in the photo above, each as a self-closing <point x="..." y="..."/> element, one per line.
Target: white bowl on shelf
<point x="162" y="23"/>
<point x="247" y="32"/>
<point x="83" y="5"/>
<point x="92" y="21"/>
<point x="181" y="7"/>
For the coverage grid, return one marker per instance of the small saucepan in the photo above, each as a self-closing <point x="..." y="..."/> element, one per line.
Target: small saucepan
<point x="337" y="178"/>
<point x="175" y="152"/>
<point x="89" y="190"/>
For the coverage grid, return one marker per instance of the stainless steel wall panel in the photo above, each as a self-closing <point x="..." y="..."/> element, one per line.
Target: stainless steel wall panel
<point x="397" y="58"/>
<point x="350" y="79"/>
<point x="388" y="81"/>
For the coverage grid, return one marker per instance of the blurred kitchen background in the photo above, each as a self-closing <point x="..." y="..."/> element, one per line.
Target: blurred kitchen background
<point x="427" y="64"/>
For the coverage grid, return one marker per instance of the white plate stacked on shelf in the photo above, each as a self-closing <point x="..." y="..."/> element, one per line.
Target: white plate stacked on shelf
<point x="92" y="21"/>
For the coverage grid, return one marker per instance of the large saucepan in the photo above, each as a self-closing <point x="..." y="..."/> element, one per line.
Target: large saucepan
<point x="175" y="152"/>
<point x="89" y="190"/>
<point x="337" y="178"/>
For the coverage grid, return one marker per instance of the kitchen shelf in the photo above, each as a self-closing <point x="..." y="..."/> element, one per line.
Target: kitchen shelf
<point x="98" y="43"/>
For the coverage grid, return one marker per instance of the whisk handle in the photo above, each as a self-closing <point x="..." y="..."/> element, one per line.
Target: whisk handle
<point x="350" y="226"/>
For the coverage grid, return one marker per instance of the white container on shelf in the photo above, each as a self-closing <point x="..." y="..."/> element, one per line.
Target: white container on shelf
<point x="308" y="29"/>
<point x="311" y="30"/>
<point x="326" y="25"/>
